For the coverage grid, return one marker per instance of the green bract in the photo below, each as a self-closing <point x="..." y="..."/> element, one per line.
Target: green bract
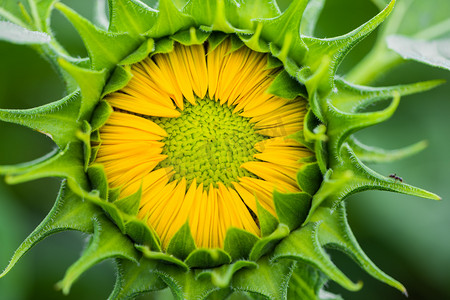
<point x="289" y="260"/>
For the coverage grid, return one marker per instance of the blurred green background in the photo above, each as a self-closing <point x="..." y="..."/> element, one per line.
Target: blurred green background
<point x="406" y="237"/>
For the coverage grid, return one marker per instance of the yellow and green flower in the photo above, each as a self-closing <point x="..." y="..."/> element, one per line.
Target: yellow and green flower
<point x="207" y="146"/>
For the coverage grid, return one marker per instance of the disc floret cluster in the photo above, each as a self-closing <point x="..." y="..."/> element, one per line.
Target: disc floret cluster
<point x="208" y="142"/>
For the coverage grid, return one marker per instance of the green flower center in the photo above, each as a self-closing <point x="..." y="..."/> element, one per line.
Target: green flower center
<point x="208" y="142"/>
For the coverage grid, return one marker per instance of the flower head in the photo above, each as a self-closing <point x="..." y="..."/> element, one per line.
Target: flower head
<point x="208" y="147"/>
<point x="196" y="130"/>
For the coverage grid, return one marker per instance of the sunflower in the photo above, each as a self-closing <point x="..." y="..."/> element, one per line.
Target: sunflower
<point x="203" y="140"/>
<point x="207" y="146"/>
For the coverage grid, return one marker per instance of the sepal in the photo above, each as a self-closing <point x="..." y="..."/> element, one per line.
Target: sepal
<point x="244" y="14"/>
<point x="213" y="15"/>
<point x="335" y="232"/>
<point x="100" y="115"/>
<point x="97" y="177"/>
<point x="70" y="212"/>
<point x="185" y="285"/>
<point x="141" y="233"/>
<point x="222" y="276"/>
<point x="366" y="179"/>
<point x="105" y="49"/>
<point x="16" y="34"/>
<point x="309" y="178"/>
<point x="118" y="80"/>
<point x="270" y="280"/>
<point x="303" y="245"/>
<point x="130" y="204"/>
<point x="54" y="120"/>
<point x="353" y="98"/>
<point x="291" y="208"/>
<point x="268" y="243"/>
<point x="106" y="242"/>
<point x="90" y="82"/>
<point x="84" y="135"/>
<point x="67" y="163"/>
<point x="284" y="31"/>
<point x="267" y="222"/>
<point x="287" y="87"/>
<point x="135" y="279"/>
<point x="169" y="20"/>
<point x="372" y="154"/>
<point x="343" y="124"/>
<point x="306" y="283"/>
<point x="337" y="48"/>
<point x="165" y="260"/>
<point x="129" y="16"/>
<point x="182" y="243"/>
<point x="239" y="243"/>
<point x="207" y="258"/>
<point x="141" y="53"/>
<point x="192" y="36"/>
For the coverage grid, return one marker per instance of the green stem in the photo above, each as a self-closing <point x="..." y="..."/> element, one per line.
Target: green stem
<point x="374" y="65"/>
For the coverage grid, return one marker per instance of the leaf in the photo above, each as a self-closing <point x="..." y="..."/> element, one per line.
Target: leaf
<point x="433" y="53"/>
<point x="18" y="35"/>
<point x="13" y="12"/>
<point x="417" y="19"/>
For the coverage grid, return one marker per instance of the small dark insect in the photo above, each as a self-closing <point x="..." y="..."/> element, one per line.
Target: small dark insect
<point x="396" y="177"/>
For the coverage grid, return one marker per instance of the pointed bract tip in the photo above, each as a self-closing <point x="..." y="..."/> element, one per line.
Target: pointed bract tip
<point x="405" y="292"/>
